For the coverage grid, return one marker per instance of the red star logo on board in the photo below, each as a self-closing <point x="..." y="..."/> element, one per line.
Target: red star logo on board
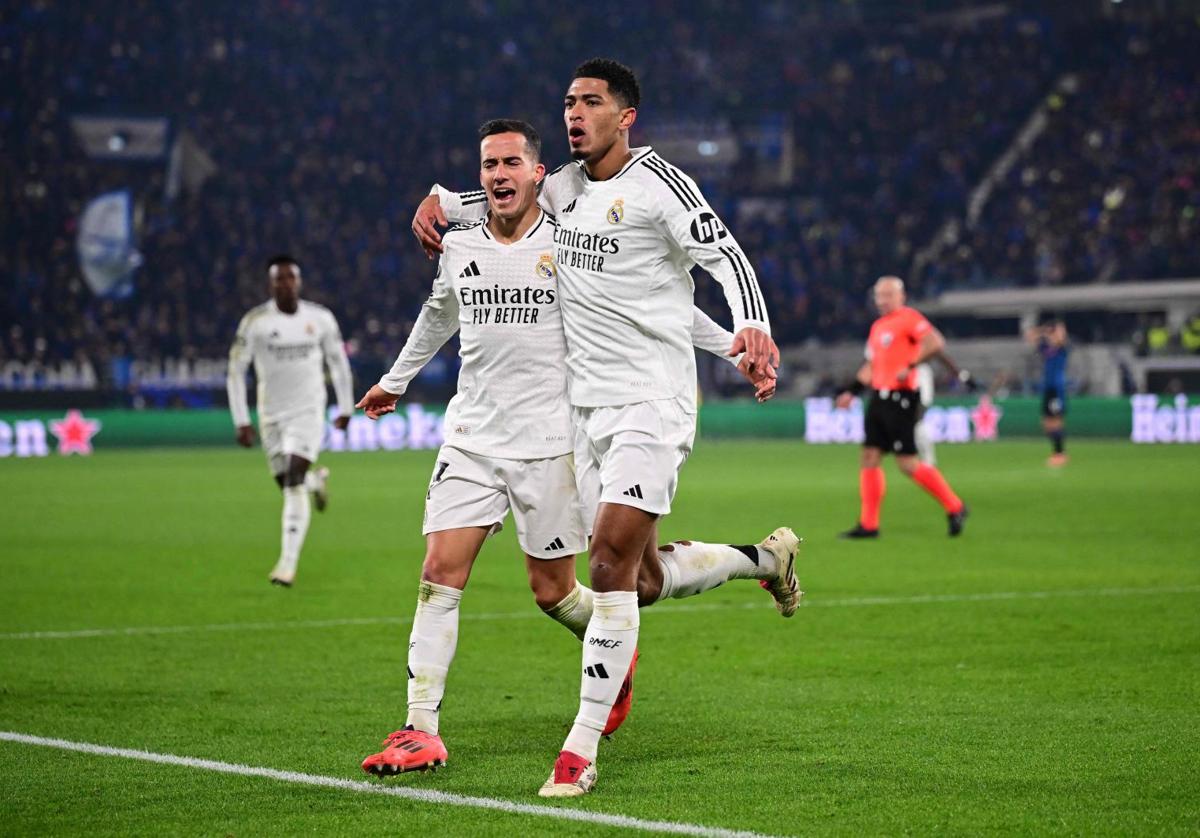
<point x="986" y="418"/>
<point x="75" y="433"/>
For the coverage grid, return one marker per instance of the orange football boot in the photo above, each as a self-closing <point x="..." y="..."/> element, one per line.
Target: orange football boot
<point x="407" y="750"/>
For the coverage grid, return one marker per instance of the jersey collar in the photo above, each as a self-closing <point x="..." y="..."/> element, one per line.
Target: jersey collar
<point x="638" y="153"/>
<point x="533" y="228"/>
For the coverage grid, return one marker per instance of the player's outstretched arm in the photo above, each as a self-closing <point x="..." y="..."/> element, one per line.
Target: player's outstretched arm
<point x="241" y="353"/>
<point x="435" y="324"/>
<point x="340" y="375"/>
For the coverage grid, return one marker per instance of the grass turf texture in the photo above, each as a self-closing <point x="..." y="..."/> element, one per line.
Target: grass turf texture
<point x="1065" y="714"/>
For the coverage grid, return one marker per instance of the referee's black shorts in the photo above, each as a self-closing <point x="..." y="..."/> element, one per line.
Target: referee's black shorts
<point x="891" y="421"/>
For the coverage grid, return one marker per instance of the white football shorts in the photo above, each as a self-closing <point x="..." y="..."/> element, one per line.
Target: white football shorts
<point x="471" y="490"/>
<point x="631" y="454"/>
<point x="300" y="435"/>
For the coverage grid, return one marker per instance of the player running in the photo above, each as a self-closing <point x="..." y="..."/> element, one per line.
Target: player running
<point x="509" y="434"/>
<point x="1050" y="341"/>
<point x="288" y="339"/>
<point x="900" y="340"/>
<point x="630" y="228"/>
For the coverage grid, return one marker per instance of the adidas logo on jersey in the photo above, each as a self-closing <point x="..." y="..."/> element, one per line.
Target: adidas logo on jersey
<point x="470" y="270"/>
<point x="556" y="544"/>
<point x="634" y="491"/>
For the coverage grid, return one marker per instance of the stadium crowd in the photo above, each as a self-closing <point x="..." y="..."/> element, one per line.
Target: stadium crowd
<point x="321" y="154"/>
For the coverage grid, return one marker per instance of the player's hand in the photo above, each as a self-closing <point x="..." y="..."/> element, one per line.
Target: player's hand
<point x="844" y="400"/>
<point x="424" y="226"/>
<point x="764" y="382"/>
<point x="341" y="423"/>
<point x="377" y="402"/>
<point x="245" y="436"/>
<point x="761" y="353"/>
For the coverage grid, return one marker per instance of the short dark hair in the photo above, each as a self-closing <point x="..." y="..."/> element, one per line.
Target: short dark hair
<point x="622" y="82"/>
<point x="281" y="259"/>
<point x="533" y="140"/>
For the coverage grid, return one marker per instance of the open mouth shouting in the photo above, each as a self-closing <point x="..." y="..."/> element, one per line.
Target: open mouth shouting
<point x="504" y="196"/>
<point x="576" y="136"/>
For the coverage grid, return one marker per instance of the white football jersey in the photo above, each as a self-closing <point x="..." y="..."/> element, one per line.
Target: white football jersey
<point x="623" y="248"/>
<point x="503" y="299"/>
<point x="289" y="352"/>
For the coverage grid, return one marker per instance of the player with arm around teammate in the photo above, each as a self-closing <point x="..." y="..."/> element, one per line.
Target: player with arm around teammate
<point x="630" y="228"/>
<point x="289" y="340"/>
<point x="509" y="438"/>
<point x="900" y="340"/>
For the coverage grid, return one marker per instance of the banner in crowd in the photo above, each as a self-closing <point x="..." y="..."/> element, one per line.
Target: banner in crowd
<point x="1142" y="419"/>
<point x="107" y="256"/>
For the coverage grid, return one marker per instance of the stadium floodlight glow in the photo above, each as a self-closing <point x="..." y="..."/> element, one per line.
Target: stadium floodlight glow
<point x="708" y="148"/>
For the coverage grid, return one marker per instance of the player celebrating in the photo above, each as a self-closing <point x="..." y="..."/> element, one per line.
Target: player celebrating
<point x="630" y="228"/>
<point x="509" y="434"/>
<point x="899" y="341"/>
<point x="288" y="339"/>
<point x="1050" y="341"/>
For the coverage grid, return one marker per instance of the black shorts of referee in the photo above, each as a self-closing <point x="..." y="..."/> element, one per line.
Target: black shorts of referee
<point x="890" y="423"/>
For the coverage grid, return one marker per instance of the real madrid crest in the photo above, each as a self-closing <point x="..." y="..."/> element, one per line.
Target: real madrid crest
<point x="545" y="267"/>
<point x="616" y="213"/>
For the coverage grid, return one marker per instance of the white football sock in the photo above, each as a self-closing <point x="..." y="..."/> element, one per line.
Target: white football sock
<point x="312" y="480"/>
<point x="296" y="513"/>
<point x="431" y="648"/>
<point x="693" y="567"/>
<point x="608" y="649"/>
<point x="575" y="610"/>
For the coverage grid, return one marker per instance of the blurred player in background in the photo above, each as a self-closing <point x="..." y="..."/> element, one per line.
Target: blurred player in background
<point x="1051" y="342"/>
<point x="290" y="341"/>
<point x="927" y="391"/>
<point x="510" y="438"/>
<point x="900" y="340"/>
<point x="630" y="228"/>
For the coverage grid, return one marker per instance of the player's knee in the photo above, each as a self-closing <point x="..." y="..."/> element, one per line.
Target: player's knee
<point x="442" y="569"/>
<point x="648" y="592"/>
<point x="907" y="465"/>
<point x="549" y="592"/>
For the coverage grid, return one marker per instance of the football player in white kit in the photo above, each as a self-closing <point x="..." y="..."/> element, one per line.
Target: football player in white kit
<point x="630" y="226"/>
<point x="926" y="387"/>
<point x="509" y="437"/>
<point x="290" y="341"/>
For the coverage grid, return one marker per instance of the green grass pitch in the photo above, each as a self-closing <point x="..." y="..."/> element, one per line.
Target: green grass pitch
<point x="909" y="694"/>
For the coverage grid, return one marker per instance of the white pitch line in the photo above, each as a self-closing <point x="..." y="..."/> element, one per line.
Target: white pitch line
<point x="844" y="602"/>
<point x="362" y="787"/>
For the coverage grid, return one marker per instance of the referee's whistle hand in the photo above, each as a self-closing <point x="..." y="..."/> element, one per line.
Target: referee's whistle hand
<point x="424" y="226"/>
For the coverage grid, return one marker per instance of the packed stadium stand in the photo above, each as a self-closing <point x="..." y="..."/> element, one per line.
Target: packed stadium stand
<point x="858" y="140"/>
